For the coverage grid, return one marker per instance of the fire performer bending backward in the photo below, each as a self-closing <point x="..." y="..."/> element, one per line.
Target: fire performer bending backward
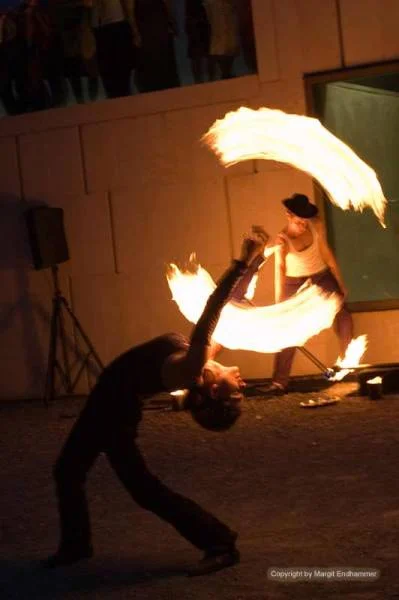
<point x="109" y="423"/>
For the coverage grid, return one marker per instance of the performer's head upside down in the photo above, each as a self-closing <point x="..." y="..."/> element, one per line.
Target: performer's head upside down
<point x="214" y="390"/>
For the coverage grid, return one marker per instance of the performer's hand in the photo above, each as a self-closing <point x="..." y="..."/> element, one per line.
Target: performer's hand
<point x="252" y="246"/>
<point x="261" y="232"/>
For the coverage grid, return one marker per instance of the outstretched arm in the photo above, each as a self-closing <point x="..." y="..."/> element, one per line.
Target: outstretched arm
<point x="240" y="290"/>
<point x="183" y="370"/>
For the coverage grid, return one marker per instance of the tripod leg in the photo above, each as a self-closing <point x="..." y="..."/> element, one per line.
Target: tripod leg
<point x="83" y="335"/>
<point x="90" y="354"/>
<point x="65" y="359"/>
<point x="52" y="358"/>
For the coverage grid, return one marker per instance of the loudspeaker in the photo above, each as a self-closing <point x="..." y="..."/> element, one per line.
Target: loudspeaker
<point x="46" y="234"/>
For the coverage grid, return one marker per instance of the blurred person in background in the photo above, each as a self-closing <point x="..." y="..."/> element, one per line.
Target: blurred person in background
<point x="117" y="39"/>
<point x="225" y="42"/>
<point x="156" y="59"/>
<point x="198" y="33"/>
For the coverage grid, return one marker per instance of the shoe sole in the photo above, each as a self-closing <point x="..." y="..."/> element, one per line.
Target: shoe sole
<point x="214" y="564"/>
<point x="271" y="393"/>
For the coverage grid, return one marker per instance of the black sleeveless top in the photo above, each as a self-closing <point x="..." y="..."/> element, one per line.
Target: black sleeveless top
<point x="140" y="368"/>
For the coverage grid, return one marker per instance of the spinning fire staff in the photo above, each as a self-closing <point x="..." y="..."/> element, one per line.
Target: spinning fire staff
<point x="110" y="419"/>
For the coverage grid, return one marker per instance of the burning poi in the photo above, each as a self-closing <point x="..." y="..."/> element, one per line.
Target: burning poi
<point x="265" y="329"/>
<point x="304" y="143"/>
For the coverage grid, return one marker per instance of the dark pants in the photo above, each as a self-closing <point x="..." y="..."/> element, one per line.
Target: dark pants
<point x="108" y="424"/>
<point x="343" y="324"/>
<point x="116" y="56"/>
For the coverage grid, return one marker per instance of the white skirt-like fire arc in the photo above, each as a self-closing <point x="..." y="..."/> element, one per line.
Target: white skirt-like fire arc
<point x="265" y="329"/>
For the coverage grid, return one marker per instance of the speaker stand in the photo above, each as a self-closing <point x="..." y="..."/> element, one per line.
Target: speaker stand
<point x="58" y="338"/>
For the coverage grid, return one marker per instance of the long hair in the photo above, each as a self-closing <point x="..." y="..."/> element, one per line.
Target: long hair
<point x="214" y="414"/>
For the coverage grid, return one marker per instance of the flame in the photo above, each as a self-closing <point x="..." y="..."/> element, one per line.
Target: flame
<point x="354" y="352"/>
<point x="269" y="250"/>
<point x="351" y="360"/>
<point x="250" y="293"/>
<point x="304" y="143"/>
<point x="260" y="329"/>
<point x="375" y="381"/>
<point x="178" y="393"/>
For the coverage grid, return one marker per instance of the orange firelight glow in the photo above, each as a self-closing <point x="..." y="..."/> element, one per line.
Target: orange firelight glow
<point x="178" y="393"/>
<point x="304" y="143"/>
<point x="353" y="355"/>
<point x="263" y="329"/>
<point x="250" y="293"/>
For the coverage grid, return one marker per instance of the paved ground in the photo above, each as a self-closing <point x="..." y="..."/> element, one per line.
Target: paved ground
<point x="305" y="488"/>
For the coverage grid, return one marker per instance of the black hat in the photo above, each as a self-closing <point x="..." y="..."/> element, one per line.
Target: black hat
<point x="301" y="207"/>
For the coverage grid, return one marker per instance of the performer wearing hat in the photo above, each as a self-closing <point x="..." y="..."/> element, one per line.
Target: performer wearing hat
<point x="110" y="419"/>
<point x="303" y="254"/>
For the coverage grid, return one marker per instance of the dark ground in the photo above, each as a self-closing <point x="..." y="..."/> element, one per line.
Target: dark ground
<point x="304" y="487"/>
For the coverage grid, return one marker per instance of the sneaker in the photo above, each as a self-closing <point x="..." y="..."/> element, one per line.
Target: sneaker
<point x="273" y="389"/>
<point x="215" y="562"/>
<point x="63" y="558"/>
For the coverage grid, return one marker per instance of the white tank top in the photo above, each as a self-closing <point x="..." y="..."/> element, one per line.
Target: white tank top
<point x="305" y="262"/>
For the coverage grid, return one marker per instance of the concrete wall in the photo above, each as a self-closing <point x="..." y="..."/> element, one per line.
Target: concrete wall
<point x="139" y="190"/>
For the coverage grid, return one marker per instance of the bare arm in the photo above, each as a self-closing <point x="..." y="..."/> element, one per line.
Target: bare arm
<point x="279" y="268"/>
<point x="240" y="290"/>
<point x="328" y="255"/>
<point x="182" y="370"/>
